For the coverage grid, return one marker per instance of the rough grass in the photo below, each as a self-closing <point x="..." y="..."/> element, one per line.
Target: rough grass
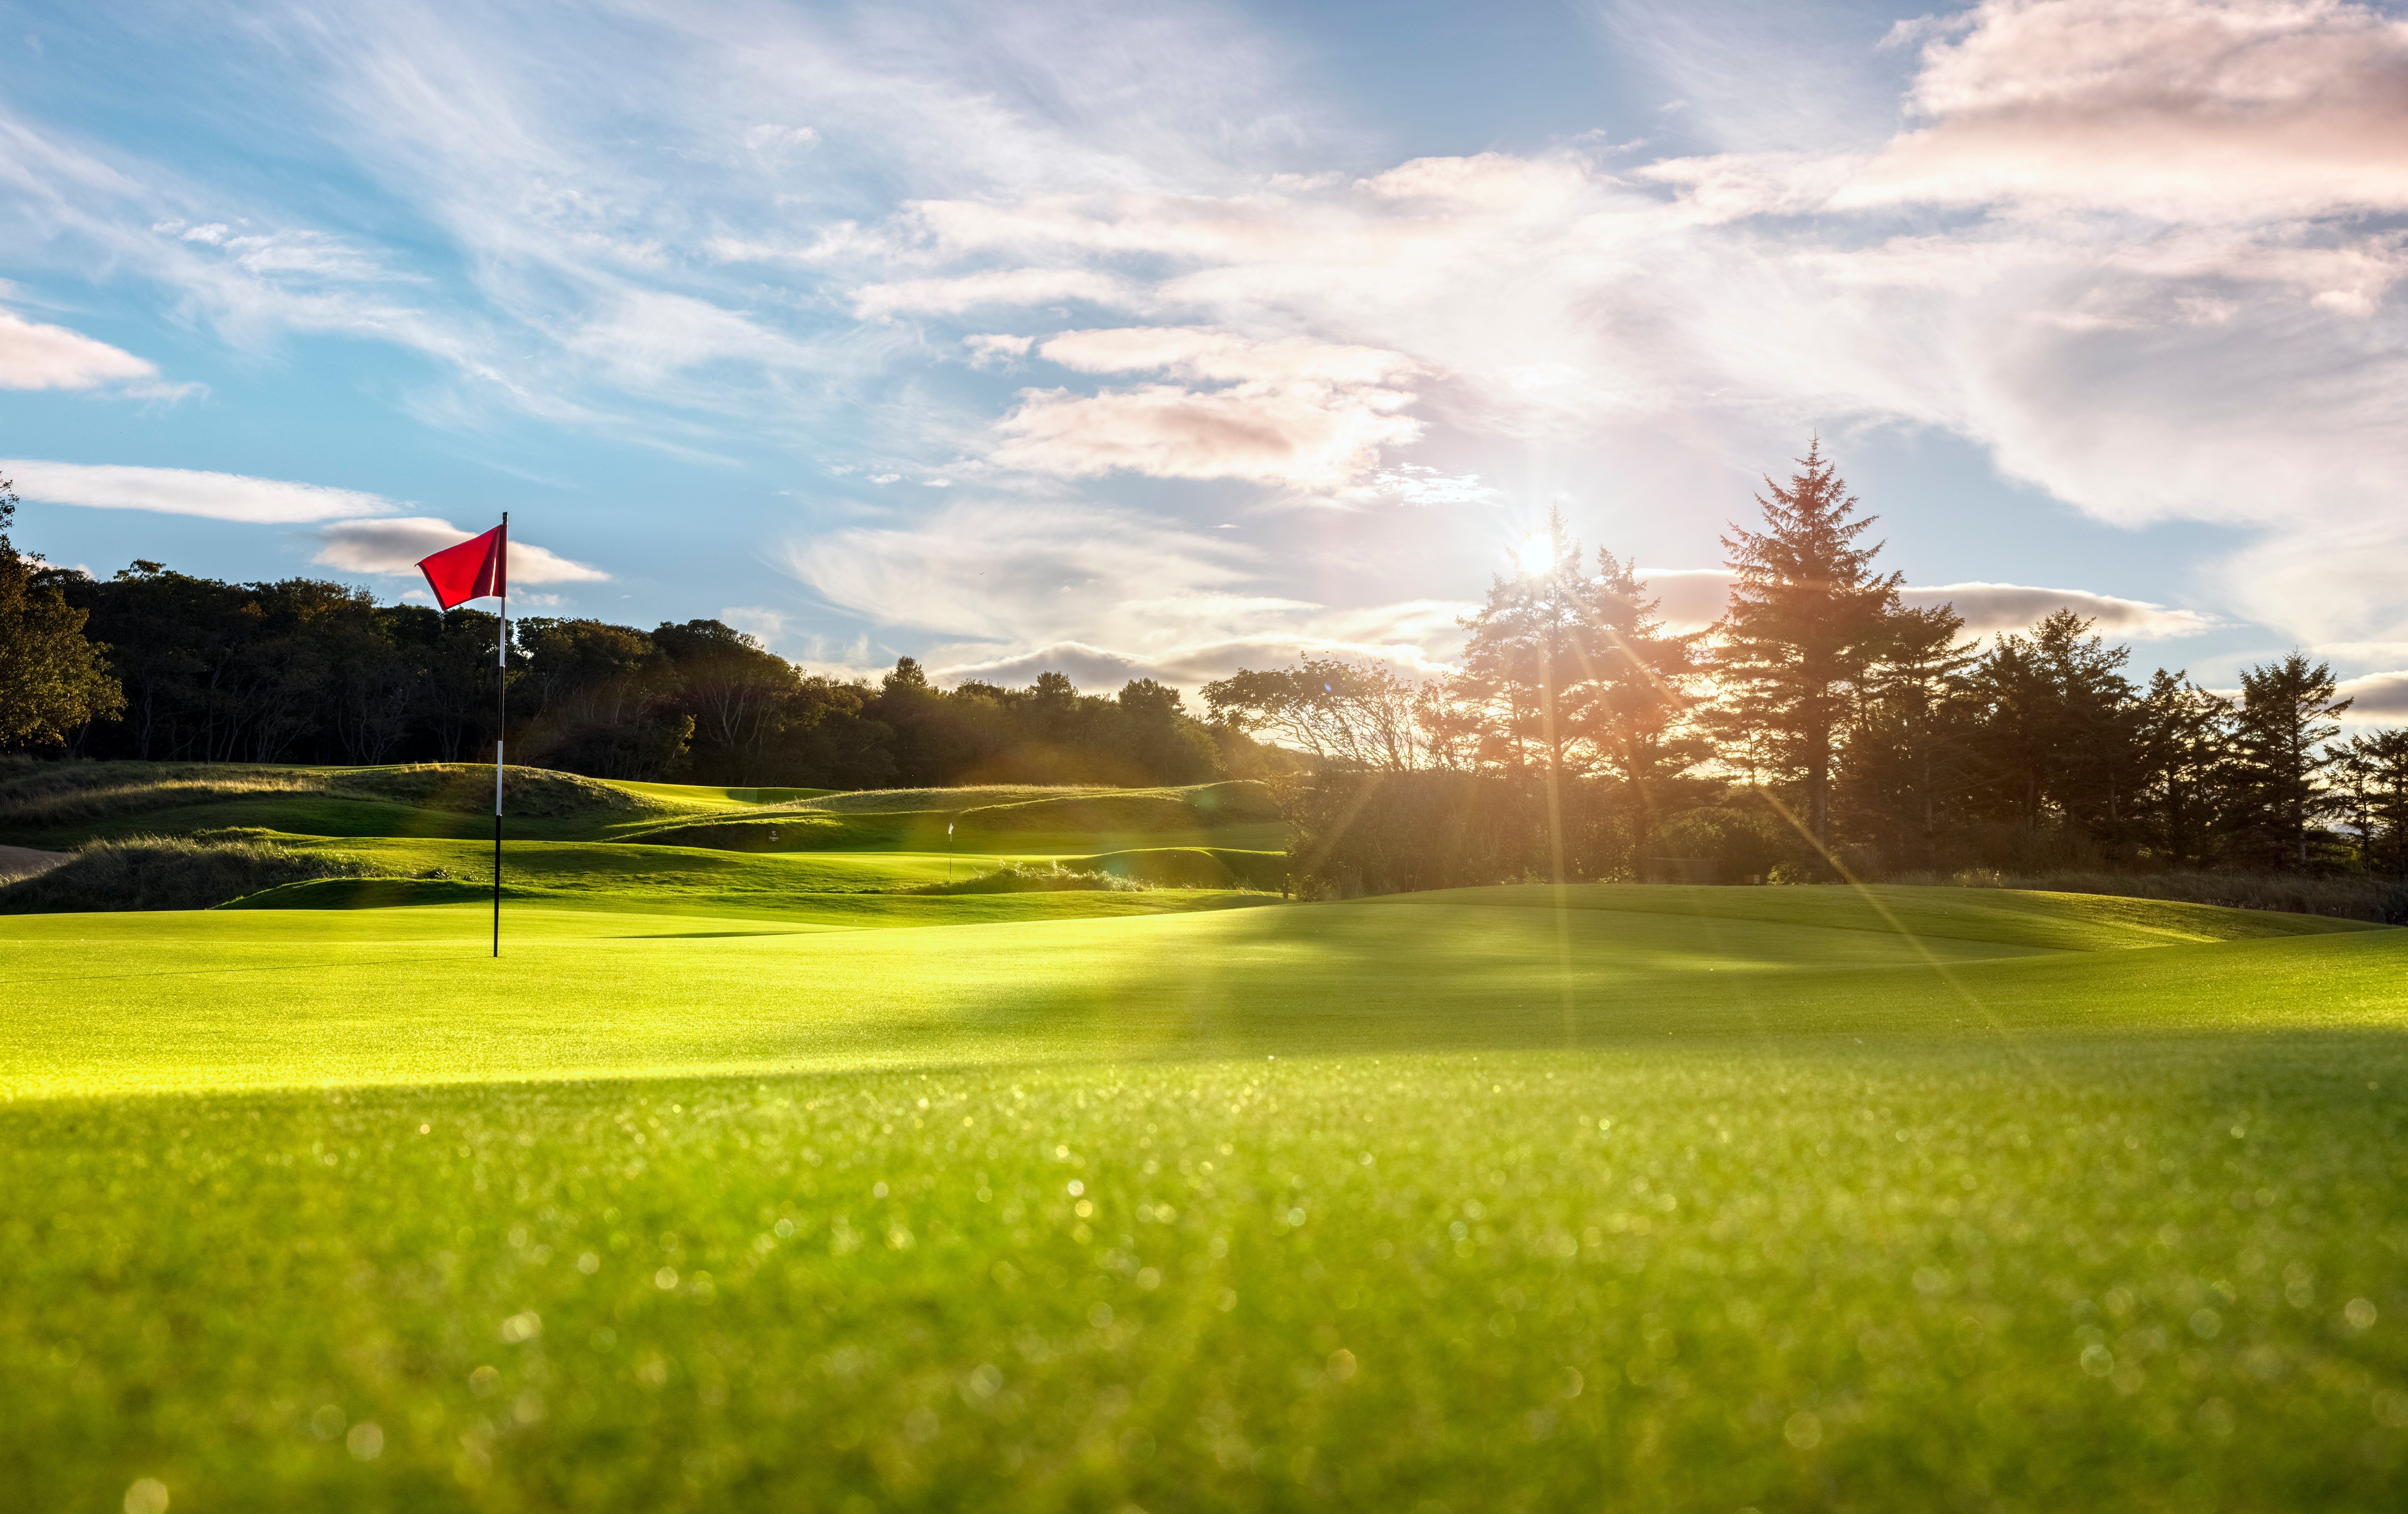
<point x="1192" y="867"/>
<point x="45" y="795"/>
<point x="1130" y="811"/>
<point x="2380" y="900"/>
<point x="1029" y="878"/>
<point x="169" y="873"/>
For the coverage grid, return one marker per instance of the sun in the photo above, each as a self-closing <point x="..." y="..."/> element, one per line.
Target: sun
<point x="1535" y="556"/>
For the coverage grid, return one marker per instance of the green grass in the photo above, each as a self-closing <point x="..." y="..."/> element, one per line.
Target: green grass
<point x="740" y="1183"/>
<point x="1932" y="1275"/>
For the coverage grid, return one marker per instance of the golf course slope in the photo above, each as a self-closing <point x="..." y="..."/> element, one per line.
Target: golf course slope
<point x="814" y="1192"/>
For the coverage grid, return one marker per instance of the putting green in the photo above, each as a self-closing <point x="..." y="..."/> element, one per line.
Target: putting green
<point x="263" y="998"/>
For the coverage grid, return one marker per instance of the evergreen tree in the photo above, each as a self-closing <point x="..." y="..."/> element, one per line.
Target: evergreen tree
<point x="1808" y="618"/>
<point x="1632" y="706"/>
<point x="2287" y="715"/>
<point x="1911" y="748"/>
<point x="2371" y="773"/>
<point x="2057" y="735"/>
<point x="53" y="679"/>
<point x="2183" y="747"/>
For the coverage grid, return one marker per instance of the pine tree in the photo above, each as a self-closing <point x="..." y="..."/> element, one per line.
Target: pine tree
<point x="1910" y="749"/>
<point x="2287" y="714"/>
<point x="2182" y="750"/>
<point x="1569" y="675"/>
<point x="53" y="679"/>
<point x="2058" y="732"/>
<point x="2372" y="777"/>
<point x="1631" y="708"/>
<point x="1808" y="617"/>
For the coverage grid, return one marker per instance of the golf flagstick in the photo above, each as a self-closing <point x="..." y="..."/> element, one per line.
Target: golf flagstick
<point x="501" y="716"/>
<point x="479" y="568"/>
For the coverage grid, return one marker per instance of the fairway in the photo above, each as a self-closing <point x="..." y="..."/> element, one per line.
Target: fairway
<point x="743" y="1179"/>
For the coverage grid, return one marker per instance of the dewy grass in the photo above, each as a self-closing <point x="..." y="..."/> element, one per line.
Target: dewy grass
<point x="2163" y="1272"/>
<point x="744" y="1181"/>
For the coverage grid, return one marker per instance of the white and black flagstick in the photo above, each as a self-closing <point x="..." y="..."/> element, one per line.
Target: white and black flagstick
<point x="501" y="716"/>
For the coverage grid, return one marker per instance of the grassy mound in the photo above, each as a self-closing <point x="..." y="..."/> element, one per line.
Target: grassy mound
<point x="45" y="795"/>
<point x="2381" y="901"/>
<point x="168" y="872"/>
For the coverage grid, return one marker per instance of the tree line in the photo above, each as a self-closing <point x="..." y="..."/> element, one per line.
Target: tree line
<point x="154" y="664"/>
<point x="1821" y="728"/>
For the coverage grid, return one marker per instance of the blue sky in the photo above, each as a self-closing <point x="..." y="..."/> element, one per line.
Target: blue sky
<point x="1163" y="340"/>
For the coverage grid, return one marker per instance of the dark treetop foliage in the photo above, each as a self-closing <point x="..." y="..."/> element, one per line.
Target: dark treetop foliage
<point x="53" y="679"/>
<point x="307" y="671"/>
<point x="1821" y="729"/>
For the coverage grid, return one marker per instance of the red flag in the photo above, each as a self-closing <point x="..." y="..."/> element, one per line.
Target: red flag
<point x="473" y="570"/>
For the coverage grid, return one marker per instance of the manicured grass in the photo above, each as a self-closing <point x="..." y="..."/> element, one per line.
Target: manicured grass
<point x="1919" y="1272"/>
<point x="248" y="998"/>
<point x="735" y="1185"/>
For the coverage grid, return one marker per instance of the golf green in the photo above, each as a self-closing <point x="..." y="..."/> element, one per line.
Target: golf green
<point x="1510" y="1198"/>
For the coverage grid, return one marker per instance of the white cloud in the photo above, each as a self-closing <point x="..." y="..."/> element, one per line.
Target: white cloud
<point x="1411" y="483"/>
<point x="1691" y="598"/>
<point x="1102" y="594"/>
<point x="993" y="348"/>
<point x="998" y="570"/>
<point x="36" y="356"/>
<point x="1248" y="432"/>
<point x="2180" y="109"/>
<point x="2376" y="698"/>
<point x="2013" y="606"/>
<point x="218" y="496"/>
<point x="2120" y="248"/>
<point x="1294" y="411"/>
<point x="395" y="545"/>
<point x="1103" y="670"/>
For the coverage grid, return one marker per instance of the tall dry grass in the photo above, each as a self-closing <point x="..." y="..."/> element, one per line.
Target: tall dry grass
<point x="169" y="872"/>
<point x="1013" y="878"/>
